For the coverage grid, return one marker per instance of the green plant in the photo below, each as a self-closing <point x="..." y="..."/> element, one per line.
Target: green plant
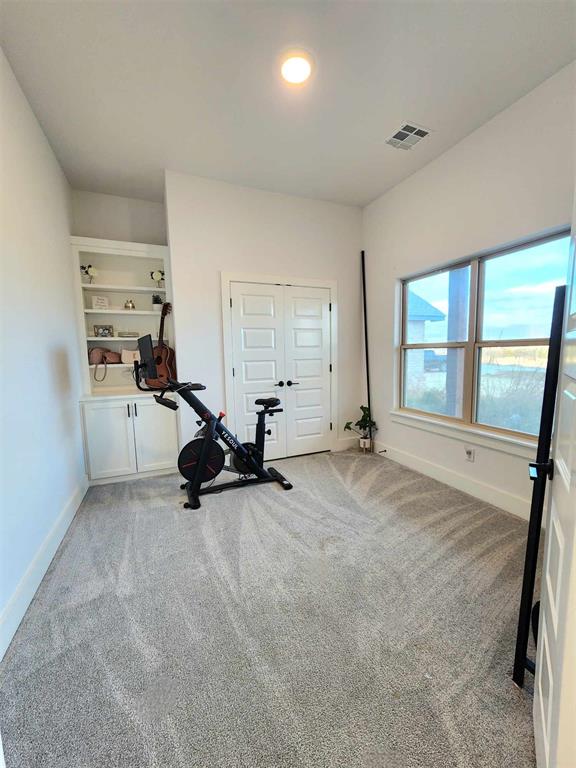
<point x="365" y="424"/>
<point x="156" y="298"/>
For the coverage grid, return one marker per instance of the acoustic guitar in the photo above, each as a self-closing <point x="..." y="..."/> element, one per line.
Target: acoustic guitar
<point x="164" y="355"/>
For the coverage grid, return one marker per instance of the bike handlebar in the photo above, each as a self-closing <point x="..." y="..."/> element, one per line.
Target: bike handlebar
<point x="171" y="386"/>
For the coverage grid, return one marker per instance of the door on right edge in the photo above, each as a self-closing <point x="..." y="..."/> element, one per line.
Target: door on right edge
<point x="306" y="397"/>
<point x="555" y="683"/>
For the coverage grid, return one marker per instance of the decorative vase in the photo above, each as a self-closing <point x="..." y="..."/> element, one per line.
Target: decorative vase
<point x="157" y="307"/>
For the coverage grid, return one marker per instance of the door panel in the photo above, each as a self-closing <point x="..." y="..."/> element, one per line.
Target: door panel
<point x="258" y="359"/>
<point x="308" y="350"/>
<point x="109" y="439"/>
<point x="555" y="689"/>
<point x="155" y="435"/>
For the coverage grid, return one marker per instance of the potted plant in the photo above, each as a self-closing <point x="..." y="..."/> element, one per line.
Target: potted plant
<point x="364" y="427"/>
<point x="157" y="302"/>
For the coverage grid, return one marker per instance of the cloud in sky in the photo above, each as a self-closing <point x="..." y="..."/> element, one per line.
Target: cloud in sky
<point x="533" y="290"/>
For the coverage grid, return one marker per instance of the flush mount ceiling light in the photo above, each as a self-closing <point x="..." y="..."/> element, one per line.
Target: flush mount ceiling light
<point x="296" y="68"/>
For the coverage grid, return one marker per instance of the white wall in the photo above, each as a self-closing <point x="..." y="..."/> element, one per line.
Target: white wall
<point x="118" y="218"/>
<point x="42" y="465"/>
<point x="215" y="227"/>
<point x="509" y="180"/>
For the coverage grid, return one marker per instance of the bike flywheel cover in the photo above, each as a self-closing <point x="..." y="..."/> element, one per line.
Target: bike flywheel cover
<point x="190" y="456"/>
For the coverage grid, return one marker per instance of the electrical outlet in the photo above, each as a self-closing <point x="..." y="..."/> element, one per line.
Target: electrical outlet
<point x="470" y="453"/>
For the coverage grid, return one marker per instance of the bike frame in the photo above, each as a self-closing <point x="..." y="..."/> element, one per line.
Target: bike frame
<point x="215" y="426"/>
<point x="255" y="464"/>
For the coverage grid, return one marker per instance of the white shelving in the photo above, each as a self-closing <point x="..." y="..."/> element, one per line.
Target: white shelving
<point x="122" y="288"/>
<point x="121" y="312"/>
<point x="125" y="339"/>
<point x="123" y="273"/>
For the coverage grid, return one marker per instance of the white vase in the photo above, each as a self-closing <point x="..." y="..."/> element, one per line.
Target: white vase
<point x="157" y="307"/>
<point x="365" y="444"/>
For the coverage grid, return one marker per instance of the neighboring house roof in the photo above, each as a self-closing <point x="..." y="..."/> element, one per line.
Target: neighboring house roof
<point x="420" y="309"/>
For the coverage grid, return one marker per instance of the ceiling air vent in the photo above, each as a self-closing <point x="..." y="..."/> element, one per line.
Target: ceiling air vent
<point x="407" y="136"/>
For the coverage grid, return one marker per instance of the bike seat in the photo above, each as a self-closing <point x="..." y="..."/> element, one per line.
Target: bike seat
<point x="268" y="402"/>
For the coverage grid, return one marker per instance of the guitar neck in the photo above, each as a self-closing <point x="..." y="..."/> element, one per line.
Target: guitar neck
<point x="161" y="332"/>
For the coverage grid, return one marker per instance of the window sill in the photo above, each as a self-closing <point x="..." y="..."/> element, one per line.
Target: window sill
<point x="514" y="446"/>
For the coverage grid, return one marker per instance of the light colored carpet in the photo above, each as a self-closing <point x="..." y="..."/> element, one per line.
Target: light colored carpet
<point x="365" y="618"/>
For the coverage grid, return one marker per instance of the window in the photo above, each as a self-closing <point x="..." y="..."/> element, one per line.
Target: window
<point x="475" y="337"/>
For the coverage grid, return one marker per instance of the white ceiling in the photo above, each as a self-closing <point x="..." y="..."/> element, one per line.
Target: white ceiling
<point x="126" y="89"/>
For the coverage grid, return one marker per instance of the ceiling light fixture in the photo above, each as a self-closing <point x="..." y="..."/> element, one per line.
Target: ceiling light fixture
<point x="296" y="68"/>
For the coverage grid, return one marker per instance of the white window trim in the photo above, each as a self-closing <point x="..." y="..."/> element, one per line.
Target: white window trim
<point x="513" y="446"/>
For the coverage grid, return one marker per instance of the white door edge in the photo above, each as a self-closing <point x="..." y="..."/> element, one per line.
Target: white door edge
<point x="226" y="280"/>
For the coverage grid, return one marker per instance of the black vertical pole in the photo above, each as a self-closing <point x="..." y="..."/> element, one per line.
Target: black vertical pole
<point x="540" y="471"/>
<point x="366" y="351"/>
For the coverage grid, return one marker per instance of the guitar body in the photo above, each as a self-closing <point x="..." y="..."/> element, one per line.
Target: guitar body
<point x="164" y="356"/>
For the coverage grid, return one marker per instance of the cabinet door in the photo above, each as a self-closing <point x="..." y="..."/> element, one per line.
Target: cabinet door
<point x="109" y="438"/>
<point x="156" y="436"/>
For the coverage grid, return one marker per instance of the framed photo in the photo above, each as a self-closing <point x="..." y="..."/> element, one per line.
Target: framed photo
<point x="104" y="331"/>
<point x="100" y="302"/>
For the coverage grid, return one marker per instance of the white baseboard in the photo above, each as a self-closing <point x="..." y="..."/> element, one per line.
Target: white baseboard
<point x="17" y="606"/>
<point x="516" y="505"/>
<point x="134" y="476"/>
<point x="345" y="443"/>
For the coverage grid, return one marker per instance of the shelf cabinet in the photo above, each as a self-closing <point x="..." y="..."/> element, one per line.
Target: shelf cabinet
<point x="123" y="273"/>
<point x="128" y="436"/>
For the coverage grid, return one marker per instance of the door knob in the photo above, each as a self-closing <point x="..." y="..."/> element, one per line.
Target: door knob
<point x="279" y="384"/>
<point x="290" y="383"/>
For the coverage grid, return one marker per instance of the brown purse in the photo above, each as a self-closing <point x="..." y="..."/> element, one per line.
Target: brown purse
<point x="100" y="355"/>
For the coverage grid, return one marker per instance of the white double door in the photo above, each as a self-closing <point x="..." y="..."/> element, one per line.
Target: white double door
<point x="281" y="347"/>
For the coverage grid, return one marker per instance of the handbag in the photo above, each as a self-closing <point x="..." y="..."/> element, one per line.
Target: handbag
<point x="100" y="355"/>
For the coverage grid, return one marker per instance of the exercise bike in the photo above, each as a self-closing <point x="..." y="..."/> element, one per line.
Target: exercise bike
<point x="202" y="459"/>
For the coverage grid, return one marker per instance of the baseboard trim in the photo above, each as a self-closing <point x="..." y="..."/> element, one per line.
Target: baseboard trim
<point x="133" y="476"/>
<point x="510" y="502"/>
<point x="21" y="598"/>
<point x="345" y="443"/>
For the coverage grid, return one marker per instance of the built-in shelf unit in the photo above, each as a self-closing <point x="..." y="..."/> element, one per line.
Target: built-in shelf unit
<point x="123" y="273"/>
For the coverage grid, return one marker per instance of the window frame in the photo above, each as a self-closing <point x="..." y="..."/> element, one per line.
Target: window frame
<point x="474" y="343"/>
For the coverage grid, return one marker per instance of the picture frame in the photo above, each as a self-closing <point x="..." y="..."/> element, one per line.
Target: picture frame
<point x="104" y="331"/>
<point x="100" y="302"/>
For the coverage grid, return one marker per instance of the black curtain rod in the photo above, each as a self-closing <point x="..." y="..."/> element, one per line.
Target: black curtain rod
<point x="365" y="309"/>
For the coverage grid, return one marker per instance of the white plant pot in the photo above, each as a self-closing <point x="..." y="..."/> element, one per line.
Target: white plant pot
<point x="365" y="444"/>
<point x="157" y="307"/>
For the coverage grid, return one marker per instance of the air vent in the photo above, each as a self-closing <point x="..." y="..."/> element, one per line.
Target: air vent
<point x="407" y="136"/>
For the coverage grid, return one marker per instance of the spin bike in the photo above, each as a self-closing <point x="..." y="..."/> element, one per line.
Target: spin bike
<point x="203" y="458"/>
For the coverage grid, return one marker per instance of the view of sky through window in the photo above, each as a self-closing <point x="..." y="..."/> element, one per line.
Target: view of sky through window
<point x="518" y="290"/>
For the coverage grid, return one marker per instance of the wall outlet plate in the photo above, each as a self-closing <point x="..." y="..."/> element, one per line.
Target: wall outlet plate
<point x="470" y="453"/>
